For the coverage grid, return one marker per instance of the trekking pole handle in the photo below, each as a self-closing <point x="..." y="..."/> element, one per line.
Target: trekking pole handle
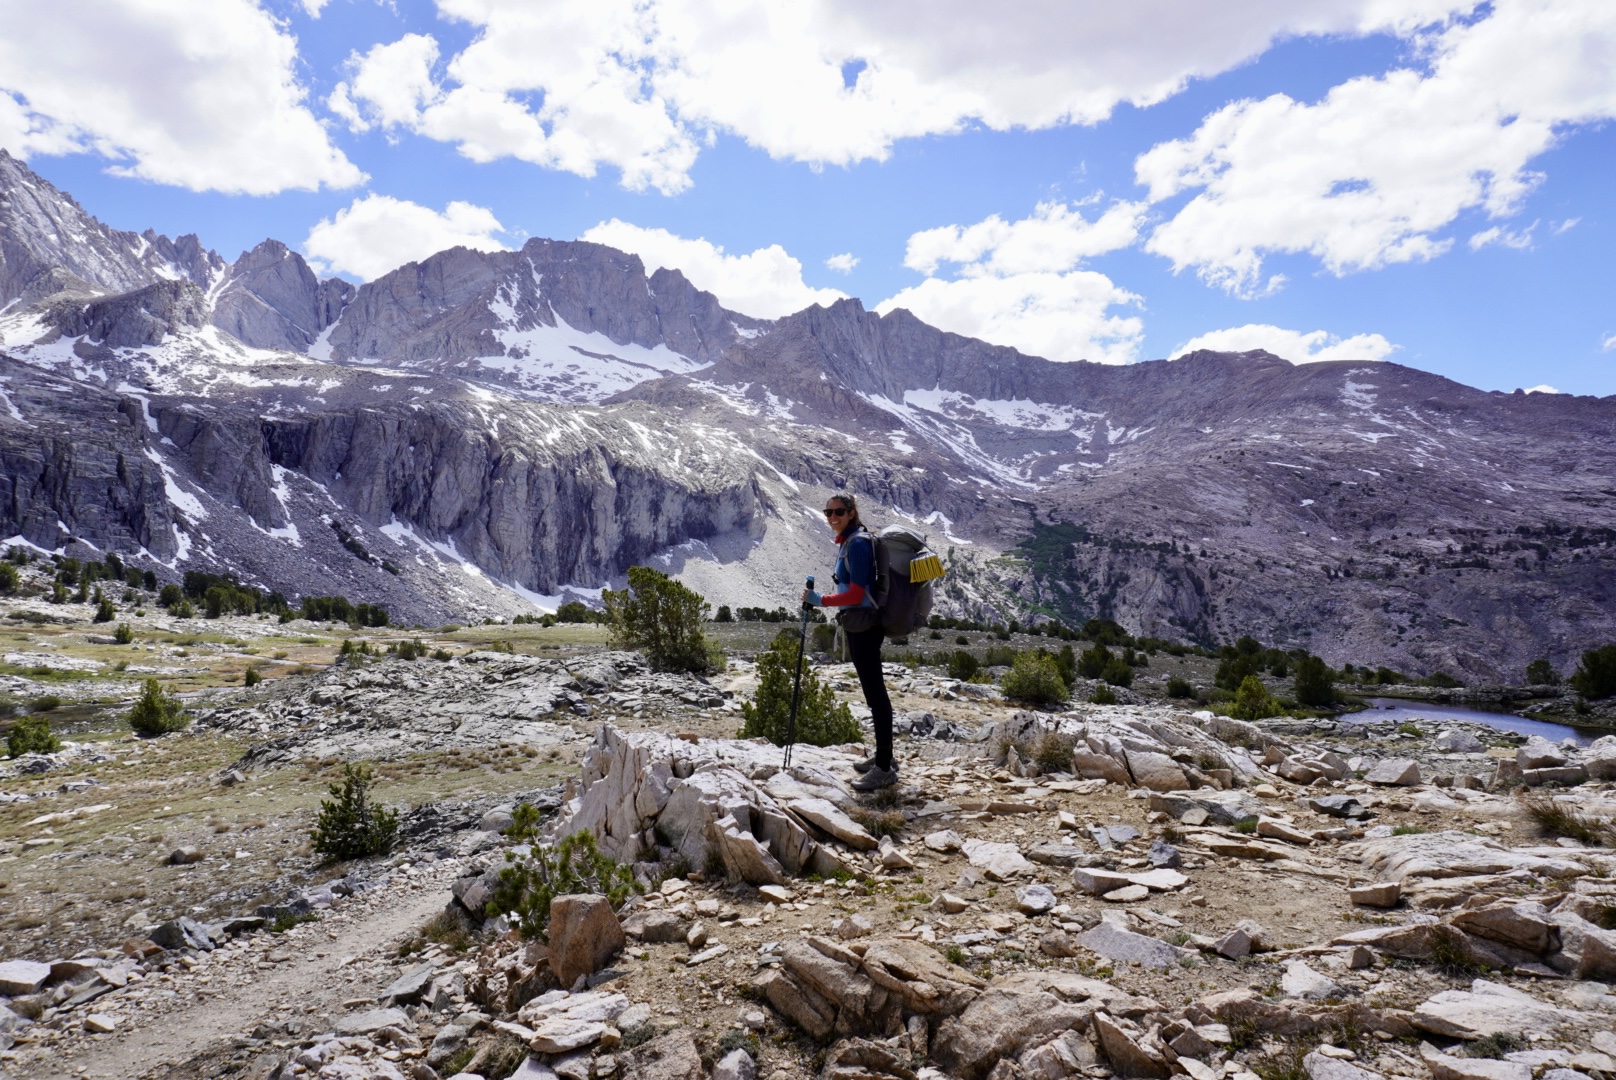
<point x="809" y="585"/>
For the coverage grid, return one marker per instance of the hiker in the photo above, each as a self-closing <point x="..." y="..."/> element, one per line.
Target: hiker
<point x="860" y="620"/>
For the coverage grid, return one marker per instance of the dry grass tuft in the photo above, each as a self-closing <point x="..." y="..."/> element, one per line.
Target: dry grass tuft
<point x="1553" y="818"/>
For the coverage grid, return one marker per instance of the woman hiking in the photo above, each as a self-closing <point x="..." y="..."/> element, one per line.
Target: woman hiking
<point x="860" y="620"/>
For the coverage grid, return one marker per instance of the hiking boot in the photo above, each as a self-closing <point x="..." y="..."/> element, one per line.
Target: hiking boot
<point x="862" y="767"/>
<point x="876" y="779"/>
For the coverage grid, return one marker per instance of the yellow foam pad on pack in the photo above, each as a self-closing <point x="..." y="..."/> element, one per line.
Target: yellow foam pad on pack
<point x="925" y="568"/>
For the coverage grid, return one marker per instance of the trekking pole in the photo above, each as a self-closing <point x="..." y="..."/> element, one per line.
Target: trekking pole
<point x="796" y="682"/>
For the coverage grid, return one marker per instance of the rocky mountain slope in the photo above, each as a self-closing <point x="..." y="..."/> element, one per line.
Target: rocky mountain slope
<point x="475" y="432"/>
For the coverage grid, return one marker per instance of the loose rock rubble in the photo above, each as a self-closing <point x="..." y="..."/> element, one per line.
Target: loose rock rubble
<point x="1124" y="891"/>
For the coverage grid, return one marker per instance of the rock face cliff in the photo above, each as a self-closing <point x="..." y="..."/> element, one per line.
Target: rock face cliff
<point x="477" y="432"/>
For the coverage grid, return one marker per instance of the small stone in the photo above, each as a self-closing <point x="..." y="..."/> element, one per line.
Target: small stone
<point x="1164" y="855"/>
<point x="1301" y="981"/>
<point x="1450" y="1067"/>
<point x="100" y="1024"/>
<point x="755" y="1019"/>
<point x="944" y="842"/>
<point x="370" y="1020"/>
<point x="1246" y="938"/>
<point x="775" y="894"/>
<point x="892" y="857"/>
<point x="1115" y="943"/>
<point x="735" y="1065"/>
<point x="697" y="936"/>
<point x="1322" y="1067"/>
<point x="708" y="908"/>
<point x="1383" y="894"/>
<point x="1000" y="862"/>
<point x="853" y="926"/>
<point x="1360" y="957"/>
<point x="952" y="904"/>
<point x="1341" y="806"/>
<point x="1265" y="791"/>
<point x="1127" y="894"/>
<point x="559" y="1035"/>
<point x="184" y="856"/>
<point x="1195" y="815"/>
<point x="1035" y="899"/>
<point x="659" y="925"/>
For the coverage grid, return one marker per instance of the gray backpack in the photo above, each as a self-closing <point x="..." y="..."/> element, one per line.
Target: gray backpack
<point x="905" y="569"/>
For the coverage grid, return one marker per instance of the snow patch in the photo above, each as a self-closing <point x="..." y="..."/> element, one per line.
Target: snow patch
<point x="178" y="497"/>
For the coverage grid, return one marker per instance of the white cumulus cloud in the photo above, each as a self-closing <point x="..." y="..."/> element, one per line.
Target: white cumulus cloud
<point x="1372" y="173"/>
<point x="1292" y="345"/>
<point x="766" y="283"/>
<point x="1609" y="344"/>
<point x="378" y="233"/>
<point x="200" y="94"/>
<point x="1502" y="237"/>
<point x="639" y="85"/>
<point x="843" y="263"/>
<point x="1020" y="283"/>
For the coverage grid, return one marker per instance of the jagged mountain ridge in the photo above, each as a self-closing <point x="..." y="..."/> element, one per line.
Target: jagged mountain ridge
<point x="494" y="426"/>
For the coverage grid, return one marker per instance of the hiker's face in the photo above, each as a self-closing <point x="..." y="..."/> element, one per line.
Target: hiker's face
<point x="836" y="516"/>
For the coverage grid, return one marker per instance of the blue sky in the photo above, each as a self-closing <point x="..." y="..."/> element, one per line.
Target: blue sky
<point x="1426" y="181"/>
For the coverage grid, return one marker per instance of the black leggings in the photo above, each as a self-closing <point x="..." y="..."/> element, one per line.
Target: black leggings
<point x="865" y="650"/>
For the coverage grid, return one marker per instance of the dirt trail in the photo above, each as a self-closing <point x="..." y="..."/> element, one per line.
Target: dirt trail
<point x="342" y="957"/>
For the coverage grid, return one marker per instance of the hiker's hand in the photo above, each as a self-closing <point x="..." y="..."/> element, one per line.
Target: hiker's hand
<point x="810" y="598"/>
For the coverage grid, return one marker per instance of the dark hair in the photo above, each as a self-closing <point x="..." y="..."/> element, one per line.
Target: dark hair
<point x="849" y="503"/>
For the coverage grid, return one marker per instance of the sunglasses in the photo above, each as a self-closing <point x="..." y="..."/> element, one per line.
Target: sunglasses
<point x="836" y="511"/>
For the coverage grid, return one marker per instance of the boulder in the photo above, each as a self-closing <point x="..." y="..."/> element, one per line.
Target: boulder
<point x="1097" y="882"/>
<point x="1600" y="758"/>
<point x="20" y="977"/>
<point x="584" y="935"/>
<point x="673" y="1056"/>
<point x="1524" y="925"/>
<point x="944" y="842"/>
<point x="1395" y="772"/>
<point x="1127" y="1057"/>
<point x="1157" y="772"/>
<point x="371" y="1020"/>
<point x="1487" y="1008"/>
<point x="657" y="926"/>
<point x="735" y="1065"/>
<point x="1301" y="981"/>
<point x="1563" y="775"/>
<point x="184" y="856"/>
<point x="1115" y="943"/>
<point x="1341" y="806"/>
<point x="829" y="818"/>
<point x="863" y="1059"/>
<point x="183" y="933"/>
<point x="1035" y="899"/>
<point x="408" y="987"/>
<point x="1093" y="766"/>
<point x="1539" y="753"/>
<point x="1164" y="856"/>
<point x="1221" y="807"/>
<point x="1012" y="1015"/>
<point x="1381" y="894"/>
<point x="1586" y="951"/>
<point x="1459" y="742"/>
<point x="1055" y="853"/>
<point x="921" y="979"/>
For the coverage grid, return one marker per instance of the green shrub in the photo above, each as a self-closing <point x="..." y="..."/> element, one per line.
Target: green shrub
<point x="529" y="883"/>
<point x="104" y="611"/>
<point x="1035" y="678"/>
<point x="1178" y="687"/>
<point x="1118" y="673"/>
<point x="183" y="610"/>
<point x="123" y="635"/>
<point x="1253" y="702"/>
<point x="156" y="713"/>
<point x="251" y="678"/>
<point x="661" y="617"/>
<point x="962" y="665"/>
<point x="1315" y="683"/>
<point x="350" y="825"/>
<point x="1091" y="665"/>
<point x="170" y="595"/>
<point x="9" y="579"/>
<point x="1445" y="681"/>
<point x="724" y="614"/>
<point x="44" y="703"/>
<point x="824" y="637"/>
<point x="1103" y="695"/>
<point x="821" y="719"/>
<point x="1541" y="673"/>
<point x="32" y="735"/>
<point x="1595" y="676"/>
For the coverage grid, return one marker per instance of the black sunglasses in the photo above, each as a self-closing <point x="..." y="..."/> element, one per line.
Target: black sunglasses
<point x="837" y="511"/>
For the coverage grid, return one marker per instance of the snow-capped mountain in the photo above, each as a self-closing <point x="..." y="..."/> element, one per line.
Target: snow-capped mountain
<point x="477" y="432"/>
